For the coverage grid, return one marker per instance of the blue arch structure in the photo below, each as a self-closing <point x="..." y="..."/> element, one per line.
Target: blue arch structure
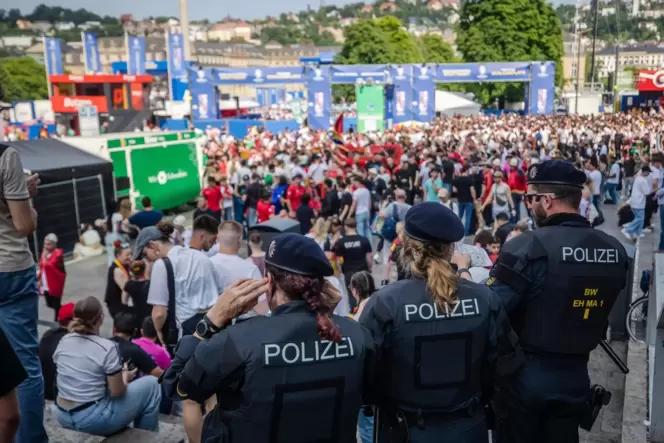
<point x="412" y="87"/>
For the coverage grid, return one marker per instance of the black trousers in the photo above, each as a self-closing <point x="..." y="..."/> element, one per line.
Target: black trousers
<point x="651" y="208"/>
<point x="53" y="303"/>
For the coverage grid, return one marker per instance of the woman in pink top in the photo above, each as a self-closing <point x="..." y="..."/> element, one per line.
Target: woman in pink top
<point x="148" y="343"/>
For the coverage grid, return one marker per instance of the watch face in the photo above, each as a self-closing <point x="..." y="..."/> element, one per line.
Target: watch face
<point x="201" y="328"/>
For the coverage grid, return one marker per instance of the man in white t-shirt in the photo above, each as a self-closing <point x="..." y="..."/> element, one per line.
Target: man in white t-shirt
<point x="231" y="267"/>
<point x="317" y="170"/>
<point x="651" y="200"/>
<point x="641" y="188"/>
<point x="361" y="207"/>
<point x="611" y="184"/>
<point x="592" y="169"/>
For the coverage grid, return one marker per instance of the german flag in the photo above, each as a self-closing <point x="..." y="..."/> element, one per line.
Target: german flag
<point x="337" y="135"/>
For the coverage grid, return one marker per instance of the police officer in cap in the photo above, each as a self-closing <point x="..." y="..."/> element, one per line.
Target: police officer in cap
<point x="557" y="284"/>
<point x="298" y="375"/>
<point x="440" y="339"/>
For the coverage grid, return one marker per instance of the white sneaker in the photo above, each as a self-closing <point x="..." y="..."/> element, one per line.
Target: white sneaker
<point x="647" y="230"/>
<point x="640" y="236"/>
<point x="624" y="232"/>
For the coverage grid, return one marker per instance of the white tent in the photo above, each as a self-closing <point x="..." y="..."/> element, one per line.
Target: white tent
<point x="226" y="105"/>
<point x="449" y="103"/>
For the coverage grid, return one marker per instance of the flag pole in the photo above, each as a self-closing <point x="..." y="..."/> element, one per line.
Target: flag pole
<point x="168" y="63"/>
<point x="46" y="66"/>
<point x="126" y="37"/>
<point x="85" y="53"/>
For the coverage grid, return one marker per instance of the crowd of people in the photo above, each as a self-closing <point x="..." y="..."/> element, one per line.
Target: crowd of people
<point x="351" y="198"/>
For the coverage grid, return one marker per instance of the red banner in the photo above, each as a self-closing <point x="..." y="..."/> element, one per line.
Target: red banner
<point x="651" y="80"/>
<point x="70" y="105"/>
<point x="100" y="78"/>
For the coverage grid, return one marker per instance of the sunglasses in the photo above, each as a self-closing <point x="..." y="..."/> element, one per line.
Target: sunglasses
<point x="529" y="198"/>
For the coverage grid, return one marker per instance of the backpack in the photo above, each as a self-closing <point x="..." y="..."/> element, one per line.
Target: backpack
<point x="389" y="229"/>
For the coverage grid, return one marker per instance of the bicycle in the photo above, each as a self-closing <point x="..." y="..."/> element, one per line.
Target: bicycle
<point x="637" y="314"/>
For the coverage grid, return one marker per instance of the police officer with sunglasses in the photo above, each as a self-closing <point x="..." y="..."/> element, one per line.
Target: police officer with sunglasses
<point x="557" y="284"/>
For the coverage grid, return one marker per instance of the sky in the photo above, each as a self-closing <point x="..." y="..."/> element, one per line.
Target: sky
<point x="213" y="10"/>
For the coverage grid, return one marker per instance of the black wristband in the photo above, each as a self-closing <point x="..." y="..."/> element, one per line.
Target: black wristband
<point x="462" y="270"/>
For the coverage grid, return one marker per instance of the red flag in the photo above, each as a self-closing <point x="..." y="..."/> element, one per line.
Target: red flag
<point x="337" y="136"/>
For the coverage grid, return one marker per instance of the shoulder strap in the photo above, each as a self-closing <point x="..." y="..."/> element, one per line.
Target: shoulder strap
<point x="170" y="277"/>
<point x="395" y="213"/>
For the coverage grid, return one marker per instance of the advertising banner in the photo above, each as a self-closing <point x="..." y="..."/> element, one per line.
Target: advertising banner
<point x="261" y="96"/>
<point x="482" y="72"/>
<point x="370" y="108"/>
<point x="115" y="143"/>
<point x="204" y="104"/>
<point x="65" y="105"/>
<point x="403" y="93"/>
<point x="53" y="56"/>
<point x="136" y="55"/>
<point x="177" y="66"/>
<point x="650" y="80"/>
<point x="91" y="52"/>
<point x="424" y="93"/>
<point x="541" y="89"/>
<point x="258" y="76"/>
<point x="167" y="174"/>
<point x="319" y="98"/>
<point x="24" y="111"/>
<point x="351" y="73"/>
<point x="88" y="121"/>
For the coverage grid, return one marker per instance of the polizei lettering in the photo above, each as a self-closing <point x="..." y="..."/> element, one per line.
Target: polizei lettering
<point x="590" y="255"/>
<point x="429" y="311"/>
<point x="286" y="354"/>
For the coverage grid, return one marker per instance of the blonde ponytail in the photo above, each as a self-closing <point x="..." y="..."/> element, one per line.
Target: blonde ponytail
<point x="431" y="262"/>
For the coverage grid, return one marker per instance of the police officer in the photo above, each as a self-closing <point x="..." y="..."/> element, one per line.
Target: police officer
<point x="439" y="339"/>
<point x="557" y="284"/>
<point x="298" y="375"/>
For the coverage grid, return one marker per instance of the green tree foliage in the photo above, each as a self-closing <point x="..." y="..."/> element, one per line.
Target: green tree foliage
<point x="404" y="46"/>
<point x="436" y="50"/>
<point x="22" y="79"/>
<point x="366" y="43"/>
<point x="505" y="31"/>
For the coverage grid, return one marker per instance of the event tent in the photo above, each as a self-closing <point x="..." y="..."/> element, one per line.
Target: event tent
<point x="449" y="104"/>
<point x="76" y="188"/>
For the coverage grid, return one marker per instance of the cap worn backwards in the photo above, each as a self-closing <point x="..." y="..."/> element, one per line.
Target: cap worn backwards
<point x="298" y="254"/>
<point x="433" y="222"/>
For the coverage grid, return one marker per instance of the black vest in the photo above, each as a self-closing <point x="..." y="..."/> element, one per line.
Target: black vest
<point x="113" y="297"/>
<point x="291" y="385"/>
<point x="587" y="269"/>
<point x="432" y="357"/>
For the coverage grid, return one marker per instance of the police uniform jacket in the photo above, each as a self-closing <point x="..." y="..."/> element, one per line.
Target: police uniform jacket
<point x="438" y="360"/>
<point x="275" y="379"/>
<point x="558" y="285"/>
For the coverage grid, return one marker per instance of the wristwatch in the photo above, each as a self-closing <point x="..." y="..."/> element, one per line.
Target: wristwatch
<point x="205" y="328"/>
<point x="462" y="270"/>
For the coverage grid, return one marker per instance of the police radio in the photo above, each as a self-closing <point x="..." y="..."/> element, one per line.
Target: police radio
<point x="598" y="397"/>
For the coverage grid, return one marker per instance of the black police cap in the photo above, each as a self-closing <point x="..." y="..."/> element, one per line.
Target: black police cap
<point x="556" y="172"/>
<point x="298" y="254"/>
<point x="433" y="222"/>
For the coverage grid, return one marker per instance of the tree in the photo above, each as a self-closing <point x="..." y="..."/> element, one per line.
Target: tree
<point x="436" y="50"/>
<point x="366" y="43"/>
<point x="404" y="45"/>
<point x="22" y="79"/>
<point x="508" y="31"/>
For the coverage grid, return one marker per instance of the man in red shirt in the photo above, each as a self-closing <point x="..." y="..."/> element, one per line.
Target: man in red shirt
<point x="516" y="180"/>
<point x="213" y="197"/>
<point x="294" y="194"/>
<point x="264" y="208"/>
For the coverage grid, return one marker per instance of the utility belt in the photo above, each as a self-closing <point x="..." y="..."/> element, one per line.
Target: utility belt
<point x="393" y="423"/>
<point x="598" y="397"/>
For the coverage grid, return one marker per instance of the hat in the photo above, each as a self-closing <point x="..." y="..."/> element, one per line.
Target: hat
<point x="496" y="162"/>
<point x="514" y="162"/>
<point x="179" y="220"/>
<point x="646" y="168"/>
<point x="556" y="172"/>
<point x="66" y="312"/>
<point x="298" y="254"/>
<point x="51" y="237"/>
<point x="404" y="158"/>
<point x="373" y="171"/>
<point x="144" y="237"/>
<point x="433" y="222"/>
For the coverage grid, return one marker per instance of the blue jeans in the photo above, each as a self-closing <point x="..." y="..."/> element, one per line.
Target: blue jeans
<point x="466" y="214"/>
<point x="251" y="217"/>
<point x="366" y="427"/>
<point x="238" y="208"/>
<point x="448" y="186"/>
<point x="635" y="227"/>
<point x="140" y="405"/>
<point x="610" y="189"/>
<point x="363" y="224"/>
<point x="18" y="318"/>
<point x="228" y="213"/>
<point x="517" y="198"/>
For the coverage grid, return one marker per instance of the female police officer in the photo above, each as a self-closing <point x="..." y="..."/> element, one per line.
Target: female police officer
<point x="439" y="339"/>
<point x="297" y="375"/>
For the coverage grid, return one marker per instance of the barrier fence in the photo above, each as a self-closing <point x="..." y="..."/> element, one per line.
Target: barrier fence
<point x="655" y="341"/>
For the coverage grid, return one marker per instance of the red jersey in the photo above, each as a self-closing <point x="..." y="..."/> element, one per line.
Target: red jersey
<point x="488" y="183"/>
<point x="516" y="180"/>
<point x="212" y="196"/>
<point x="294" y="196"/>
<point x="264" y="211"/>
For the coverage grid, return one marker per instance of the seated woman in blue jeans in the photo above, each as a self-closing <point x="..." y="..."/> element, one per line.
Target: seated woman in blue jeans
<point x="94" y="390"/>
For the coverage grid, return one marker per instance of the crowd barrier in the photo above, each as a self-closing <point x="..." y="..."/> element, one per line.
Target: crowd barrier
<point x="32" y="131"/>
<point x="655" y="341"/>
<point x="174" y="124"/>
<point x="239" y="128"/>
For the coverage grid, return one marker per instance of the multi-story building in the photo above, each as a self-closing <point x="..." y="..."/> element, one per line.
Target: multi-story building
<point x="228" y="31"/>
<point x="637" y="56"/>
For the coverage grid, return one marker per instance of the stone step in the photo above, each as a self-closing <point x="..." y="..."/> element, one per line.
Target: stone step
<point x="171" y="430"/>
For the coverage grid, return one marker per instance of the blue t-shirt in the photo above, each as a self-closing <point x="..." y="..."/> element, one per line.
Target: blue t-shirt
<point x="431" y="193"/>
<point x="143" y="219"/>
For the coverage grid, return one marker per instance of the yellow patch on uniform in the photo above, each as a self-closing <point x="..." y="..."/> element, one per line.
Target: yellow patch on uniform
<point x="490" y="281"/>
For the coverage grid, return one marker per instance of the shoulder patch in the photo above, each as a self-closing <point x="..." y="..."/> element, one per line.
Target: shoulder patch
<point x="490" y="281"/>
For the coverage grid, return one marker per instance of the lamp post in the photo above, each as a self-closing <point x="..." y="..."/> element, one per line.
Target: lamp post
<point x="184" y="25"/>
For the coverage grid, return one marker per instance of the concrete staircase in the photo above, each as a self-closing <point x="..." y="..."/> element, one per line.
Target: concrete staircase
<point x="170" y="431"/>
